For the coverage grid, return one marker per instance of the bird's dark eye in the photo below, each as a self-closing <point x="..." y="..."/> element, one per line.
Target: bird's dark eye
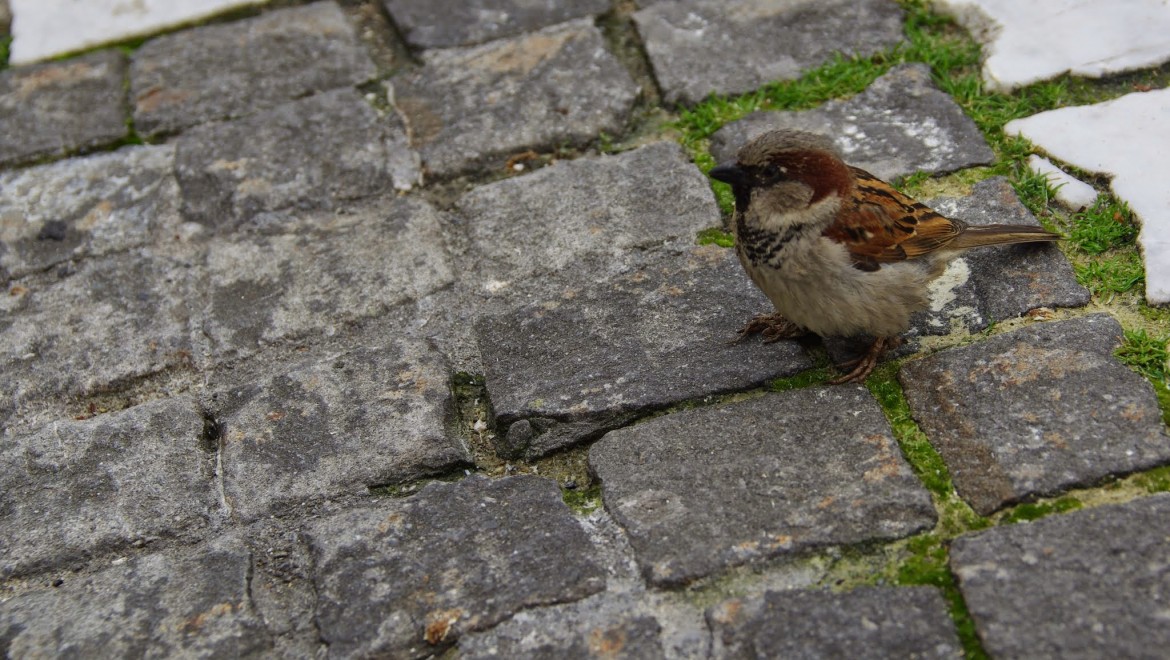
<point x="772" y="171"/>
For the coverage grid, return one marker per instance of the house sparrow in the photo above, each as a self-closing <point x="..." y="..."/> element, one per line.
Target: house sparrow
<point x="838" y="251"/>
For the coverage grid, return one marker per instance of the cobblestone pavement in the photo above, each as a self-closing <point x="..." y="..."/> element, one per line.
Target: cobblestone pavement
<point x="374" y="348"/>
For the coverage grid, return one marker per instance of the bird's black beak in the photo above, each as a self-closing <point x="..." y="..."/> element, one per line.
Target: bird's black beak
<point x="728" y="173"/>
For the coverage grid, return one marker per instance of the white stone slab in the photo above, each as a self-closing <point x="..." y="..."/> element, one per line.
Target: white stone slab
<point x="47" y="28"/>
<point x="1071" y="192"/>
<point x="1129" y="139"/>
<point x="1026" y="41"/>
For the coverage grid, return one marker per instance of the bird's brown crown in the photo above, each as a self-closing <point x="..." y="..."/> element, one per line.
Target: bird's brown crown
<point x="791" y="155"/>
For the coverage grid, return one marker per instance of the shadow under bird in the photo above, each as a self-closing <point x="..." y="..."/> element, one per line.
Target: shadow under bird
<point x="838" y="251"/>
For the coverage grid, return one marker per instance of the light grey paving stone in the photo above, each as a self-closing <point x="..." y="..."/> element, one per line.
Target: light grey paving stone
<point x="336" y="427"/>
<point x="1087" y="584"/>
<point x="75" y="488"/>
<point x="539" y="223"/>
<point x="899" y="125"/>
<point x="868" y="622"/>
<point x="191" y="604"/>
<point x="703" y="47"/>
<point x="88" y="327"/>
<point x="233" y="69"/>
<point x="565" y="370"/>
<point x="57" y="107"/>
<point x="313" y="153"/>
<point x="429" y="24"/>
<point x="474" y="107"/>
<point x="407" y="578"/>
<point x="338" y="268"/>
<point x="1036" y="411"/>
<point x="84" y="207"/>
<point x="705" y="489"/>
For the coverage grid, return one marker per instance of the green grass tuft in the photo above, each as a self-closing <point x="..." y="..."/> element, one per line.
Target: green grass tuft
<point x="1156" y="480"/>
<point x="715" y="236"/>
<point x="1118" y="273"/>
<point x="803" y="379"/>
<point x="582" y="500"/>
<point x="927" y="565"/>
<point x="1028" y="512"/>
<point x="1106" y="225"/>
<point x="1147" y="355"/>
<point x="5" y="46"/>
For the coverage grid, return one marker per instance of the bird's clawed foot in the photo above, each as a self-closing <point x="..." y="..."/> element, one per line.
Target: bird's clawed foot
<point x="772" y="327"/>
<point x="863" y="366"/>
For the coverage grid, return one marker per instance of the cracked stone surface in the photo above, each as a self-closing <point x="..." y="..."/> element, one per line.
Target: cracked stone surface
<point x="899" y="125"/>
<point x="315" y="153"/>
<point x="334" y="428"/>
<point x="407" y="578"/>
<point x="1087" y="584"/>
<point x="54" y="108"/>
<point x="777" y="476"/>
<point x="332" y="268"/>
<point x="190" y="604"/>
<point x="703" y="47"/>
<point x="468" y="107"/>
<point x="1036" y="411"/>
<point x="430" y="24"/>
<point x="74" y="489"/>
<point x="85" y="207"/>
<point x="903" y="622"/>
<point x="232" y="69"/>
<point x="563" y="370"/>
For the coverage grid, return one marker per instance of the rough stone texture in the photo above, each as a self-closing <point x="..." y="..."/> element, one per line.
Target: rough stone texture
<point x="371" y="417"/>
<point x="85" y="207"/>
<point x="1088" y="584"/>
<point x="233" y="69"/>
<point x="1026" y="42"/>
<point x="1124" y="139"/>
<point x="704" y="489"/>
<point x="87" y="327"/>
<point x="430" y="24"/>
<point x="478" y="106"/>
<point x="48" y="28"/>
<point x="868" y="622"/>
<point x="1036" y="411"/>
<point x="899" y="125"/>
<point x="75" y="488"/>
<point x="338" y="268"/>
<point x="195" y="604"/>
<point x="702" y="47"/>
<point x="566" y="369"/>
<point x="57" y="107"/>
<point x="317" y="152"/>
<point x="405" y="578"/>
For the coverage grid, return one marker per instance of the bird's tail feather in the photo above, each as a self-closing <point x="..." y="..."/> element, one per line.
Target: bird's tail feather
<point x="979" y="235"/>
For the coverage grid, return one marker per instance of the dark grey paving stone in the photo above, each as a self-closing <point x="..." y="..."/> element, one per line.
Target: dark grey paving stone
<point x="84" y="207"/>
<point x="1036" y="411"/>
<point x="1012" y="279"/>
<point x="475" y="107"/>
<point x="312" y="153"/>
<point x="332" y="268"/>
<point x="565" y="370"/>
<point x="233" y="69"/>
<point x="705" y="489"/>
<point x="182" y="604"/>
<point x="406" y="578"/>
<point x="868" y="622"/>
<point x="702" y="47"/>
<point x="333" y="428"/>
<point x="91" y="326"/>
<point x="57" y="107"/>
<point x="429" y="24"/>
<point x="1088" y="584"/>
<point x="899" y="125"/>
<point x="75" y="488"/>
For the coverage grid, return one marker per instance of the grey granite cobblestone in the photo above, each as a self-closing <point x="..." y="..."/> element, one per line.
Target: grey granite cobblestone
<point x="408" y="578"/>
<point x="468" y="107"/>
<point x="1087" y="584"/>
<point x="1036" y="411"/>
<point x="446" y="23"/>
<point x="702" y="490"/>
<point x="55" y="108"/>
<point x="233" y="69"/>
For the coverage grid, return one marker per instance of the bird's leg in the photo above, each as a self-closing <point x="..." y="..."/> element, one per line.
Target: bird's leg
<point x="864" y="365"/>
<point x="772" y="327"/>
